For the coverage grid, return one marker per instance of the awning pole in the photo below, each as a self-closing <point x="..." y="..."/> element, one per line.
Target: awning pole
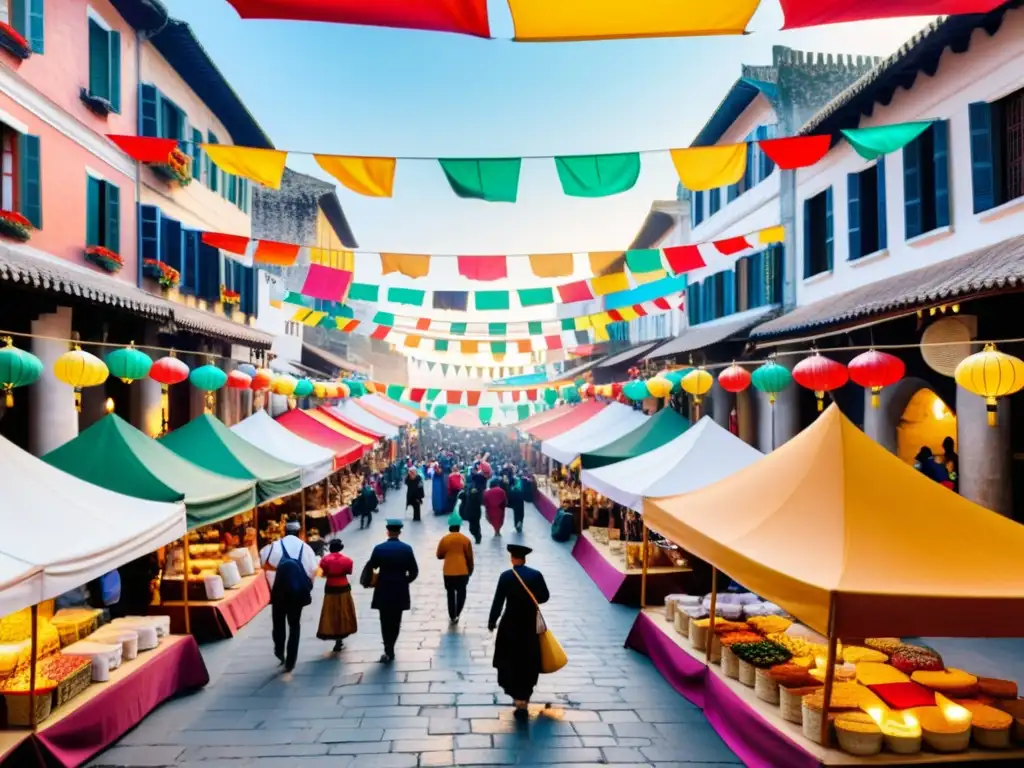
<point x="184" y="584"/>
<point x="711" y="617"/>
<point x="643" y="572"/>
<point x="830" y="672"/>
<point x="33" y="660"/>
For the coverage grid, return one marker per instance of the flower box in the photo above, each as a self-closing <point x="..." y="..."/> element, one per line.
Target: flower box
<point x="104" y="258"/>
<point x="229" y="297"/>
<point x="14" y="42"/>
<point x="177" y="169"/>
<point x="14" y="226"/>
<point x="167" y="275"/>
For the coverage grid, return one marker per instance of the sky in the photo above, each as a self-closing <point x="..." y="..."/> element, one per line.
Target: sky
<point x="399" y="93"/>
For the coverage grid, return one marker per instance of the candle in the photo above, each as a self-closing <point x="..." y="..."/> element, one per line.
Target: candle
<point x="955" y="714"/>
<point x="903" y="738"/>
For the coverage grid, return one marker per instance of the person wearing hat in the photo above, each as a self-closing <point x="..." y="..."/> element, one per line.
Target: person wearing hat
<point x="389" y="571"/>
<point x="456" y="550"/>
<point x="414" y="493"/>
<point x="338" y="612"/>
<point x="517" y="645"/>
<point x="291" y="565"/>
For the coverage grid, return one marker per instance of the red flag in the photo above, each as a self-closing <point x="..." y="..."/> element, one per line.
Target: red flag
<point x="381" y="332"/>
<point x="531" y="395"/>
<point x="662" y="303"/>
<point x="454" y="396"/>
<point x="811" y="13"/>
<point x="423" y="324"/>
<point x="615" y="315"/>
<point x="683" y="258"/>
<point x="639" y="309"/>
<point x="231" y="243"/>
<point x="731" y="245"/>
<point x="417" y="395"/>
<point x="797" y="151"/>
<point x="144" y="149"/>
<point x="472" y="398"/>
<point x="553" y="342"/>
<point x="486" y="268"/>
<point x="578" y="291"/>
<point x="273" y="252"/>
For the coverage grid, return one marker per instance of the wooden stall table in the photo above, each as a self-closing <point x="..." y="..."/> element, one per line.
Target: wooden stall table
<point x="219" y="619"/>
<point x="620" y="584"/>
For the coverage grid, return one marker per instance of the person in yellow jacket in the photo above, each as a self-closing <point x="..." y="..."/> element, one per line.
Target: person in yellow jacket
<point x="456" y="550"/>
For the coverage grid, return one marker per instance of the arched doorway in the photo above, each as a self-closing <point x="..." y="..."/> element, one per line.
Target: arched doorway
<point x="926" y="421"/>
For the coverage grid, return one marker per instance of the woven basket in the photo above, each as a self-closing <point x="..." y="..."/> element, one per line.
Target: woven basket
<point x="858" y="743"/>
<point x="18" y="713"/>
<point x="766" y="687"/>
<point x="748" y="673"/>
<point x="716" y="650"/>
<point x="991" y="738"/>
<point x="670" y="609"/>
<point x="730" y="663"/>
<point x="791" y="701"/>
<point x="811" y="722"/>
<point x="74" y="684"/>
<point x="903" y="745"/>
<point x="947" y="742"/>
<point x="698" y="637"/>
<point x="68" y="634"/>
<point x="682" y="623"/>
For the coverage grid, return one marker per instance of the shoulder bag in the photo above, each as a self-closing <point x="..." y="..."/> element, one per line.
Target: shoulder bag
<point x="552" y="657"/>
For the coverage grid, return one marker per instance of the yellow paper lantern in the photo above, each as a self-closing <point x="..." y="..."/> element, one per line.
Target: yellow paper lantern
<point x="370" y="387"/>
<point x="283" y="385"/>
<point x="659" y="387"/>
<point x="321" y="390"/>
<point x="697" y="383"/>
<point x="80" y="369"/>
<point x="990" y="374"/>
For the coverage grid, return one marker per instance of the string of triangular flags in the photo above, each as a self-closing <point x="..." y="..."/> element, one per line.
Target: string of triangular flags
<point x="471" y="371"/>
<point x="497" y="179"/>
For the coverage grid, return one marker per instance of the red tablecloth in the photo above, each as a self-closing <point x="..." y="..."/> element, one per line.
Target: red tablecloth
<point x="545" y="505"/>
<point x="340" y="519"/>
<point x="219" y="619"/>
<point x="101" y="719"/>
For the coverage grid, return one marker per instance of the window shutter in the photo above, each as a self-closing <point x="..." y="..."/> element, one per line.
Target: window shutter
<point x="244" y="203"/>
<point x="733" y="193"/>
<point x="249" y="288"/>
<point x="212" y="171"/>
<point x="209" y="273"/>
<point x="36" y="25"/>
<point x="197" y="154"/>
<point x="149" y="234"/>
<point x="30" y="175"/>
<point x="714" y="201"/>
<point x="149" y="110"/>
<point x="698" y="206"/>
<point x="808" y="245"/>
<point x="774" y="277"/>
<point x="112" y="214"/>
<point x="693" y="303"/>
<point x="743" y="284"/>
<point x="883" y="218"/>
<point x="748" y="173"/>
<point x="92" y="210"/>
<point x="99" y="61"/>
<point x="728" y="293"/>
<point x="853" y="209"/>
<point x="767" y="164"/>
<point x="912" y="207"/>
<point x="188" y="248"/>
<point x="829" y="247"/>
<point x="982" y="156"/>
<point x="19" y="18"/>
<point x="940" y="138"/>
<point x="115" y="71"/>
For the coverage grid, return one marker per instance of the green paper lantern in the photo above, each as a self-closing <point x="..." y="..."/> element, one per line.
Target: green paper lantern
<point x="129" y="364"/>
<point x="570" y="394"/>
<point x="771" y="378"/>
<point x="676" y="377"/>
<point x="208" y="378"/>
<point x="635" y="390"/>
<point x="303" y="388"/>
<point x="356" y="387"/>
<point x="550" y="396"/>
<point x="18" y="368"/>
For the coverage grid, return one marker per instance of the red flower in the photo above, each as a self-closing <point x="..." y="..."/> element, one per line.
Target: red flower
<point x="104" y="253"/>
<point x="14" y="34"/>
<point x="14" y="217"/>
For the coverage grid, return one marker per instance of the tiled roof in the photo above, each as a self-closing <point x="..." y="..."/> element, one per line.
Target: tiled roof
<point x="628" y="355"/>
<point x="209" y="324"/>
<point x="701" y="336"/>
<point x="986" y="270"/>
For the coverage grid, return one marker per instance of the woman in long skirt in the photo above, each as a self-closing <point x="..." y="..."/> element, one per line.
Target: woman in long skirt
<point x="495" y="502"/>
<point x="338" y="615"/>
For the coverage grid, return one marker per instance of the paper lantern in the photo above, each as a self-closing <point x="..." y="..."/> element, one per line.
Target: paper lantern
<point x="550" y="396"/>
<point x="659" y="387"/>
<point x="343" y="390"/>
<point x="587" y="390"/>
<point x="371" y="387"/>
<point x="80" y="369"/>
<point x="248" y="369"/>
<point x="990" y="374"/>
<point x="440" y="411"/>
<point x="874" y="370"/>
<point x="322" y="390"/>
<point x="676" y="377"/>
<point x="734" y="379"/>
<point x="635" y="390"/>
<point x="129" y="364"/>
<point x="303" y="388"/>
<point x="356" y="388"/>
<point x="18" y="368"/>
<point x="284" y="385"/>
<point x="617" y="389"/>
<point x="570" y="394"/>
<point x="820" y="374"/>
<point x="208" y="378"/>
<point x="239" y="380"/>
<point x="167" y="371"/>
<point x="698" y="383"/>
<point x="262" y="380"/>
<point x="771" y="378"/>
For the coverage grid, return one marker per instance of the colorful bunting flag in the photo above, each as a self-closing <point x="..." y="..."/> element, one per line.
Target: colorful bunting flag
<point x="703" y="168"/>
<point x="236" y="244"/>
<point x="497" y="329"/>
<point x="491" y="300"/>
<point x="603" y="261"/>
<point x="263" y="166"/>
<point x="408" y="264"/>
<point x="572" y="292"/>
<point x="326" y="283"/>
<point x="456" y="300"/>
<point x="369" y="176"/>
<point x="732" y="245"/>
<point x="423" y="324"/>
<point x="417" y="394"/>
<point x="796" y="152"/>
<point x="772" y="235"/>
<point x="684" y="258"/>
<point x="444" y="369"/>
<point x="453" y="396"/>
<point x="552" y="264"/>
<point x="144" y="149"/>
<point x="483" y="268"/>
<point x="872" y="143"/>
<point x="535" y="297"/>
<point x="473" y="398"/>
<point x="598" y="175"/>
<point x="413" y="342"/>
<point x="363" y="292"/>
<point x="494" y="180"/>
<point x="380" y="333"/>
<point x="440" y="345"/>
<point x="410" y="296"/>
<point x="275" y="253"/>
<point x="809" y="13"/>
<point x="613" y="283"/>
<point x="469" y="347"/>
<point x="524" y="346"/>
<point x="498" y="348"/>
<point x="646" y="260"/>
<point x="384" y="318"/>
<point x="457" y="329"/>
<point x="336" y="259"/>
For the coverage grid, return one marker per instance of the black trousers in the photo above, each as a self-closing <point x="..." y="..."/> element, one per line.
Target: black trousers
<point x="518" y="513"/>
<point x="415" y="509"/>
<point x="455" y="586"/>
<point x="474" y="528"/>
<point x="281" y="613"/>
<point x="390" y="626"/>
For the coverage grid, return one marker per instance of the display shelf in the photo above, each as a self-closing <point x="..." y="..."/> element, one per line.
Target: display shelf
<point x="620" y="585"/>
<point x="219" y="619"/>
<point x="752" y="728"/>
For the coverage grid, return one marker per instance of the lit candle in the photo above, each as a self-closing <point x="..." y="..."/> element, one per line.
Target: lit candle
<point x="954" y="713"/>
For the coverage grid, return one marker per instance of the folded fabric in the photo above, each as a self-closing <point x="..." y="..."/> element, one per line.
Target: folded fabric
<point x="903" y="695"/>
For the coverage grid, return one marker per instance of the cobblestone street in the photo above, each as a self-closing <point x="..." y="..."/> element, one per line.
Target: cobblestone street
<point x="438" y="704"/>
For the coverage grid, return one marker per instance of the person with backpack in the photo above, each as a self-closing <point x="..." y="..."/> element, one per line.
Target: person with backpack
<point x="291" y="565"/>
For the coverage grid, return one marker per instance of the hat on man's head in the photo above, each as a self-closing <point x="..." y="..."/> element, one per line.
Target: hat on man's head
<point x="454" y="520"/>
<point x="394" y="524"/>
<point x="293" y="526"/>
<point x="518" y="550"/>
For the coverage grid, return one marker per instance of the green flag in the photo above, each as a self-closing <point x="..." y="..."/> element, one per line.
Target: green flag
<point x="536" y="328"/>
<point x="432" y="393"/>
<point x="871" y="143"/>
<point x="395" y="391"/>
<point x="498" y="347"/>
<point x="384" y="318"/>
<point x="535" y="297"/>
<point x="486" y="414"/>
<point x="494" y="180"/>
<point x="458" y="329"/>
<point x="363" y="292"/>
<point x="491" y="300"/>
<point x="497" y="329"/>
<point x="411" y="296"/>
<point x="646" y="260"/>
<point x="440" y="345"/>
<point x="598" y="175"/>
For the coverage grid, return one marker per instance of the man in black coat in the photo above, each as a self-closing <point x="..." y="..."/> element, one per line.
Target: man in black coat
<point x="395" y="564"/>
<point x="517" y="646"/>
<point x="414" y="493"/>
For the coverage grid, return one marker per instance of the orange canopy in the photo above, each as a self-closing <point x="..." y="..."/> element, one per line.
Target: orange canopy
<point x="832" y="518"/>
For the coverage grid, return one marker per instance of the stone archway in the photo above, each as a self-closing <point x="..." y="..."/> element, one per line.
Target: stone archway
<point x="880" y="424"/>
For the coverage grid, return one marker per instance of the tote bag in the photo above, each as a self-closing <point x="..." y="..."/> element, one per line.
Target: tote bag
<point x="552" y="657"/>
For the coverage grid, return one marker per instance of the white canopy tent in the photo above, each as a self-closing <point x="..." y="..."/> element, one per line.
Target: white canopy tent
<point x="61" y="532"/>
<point x="266" y="434"/>
<point x="363" y="418"/>
<point x="606" y="425"/>
<point x="702" y="455"/>
<point x="391" y="408"/>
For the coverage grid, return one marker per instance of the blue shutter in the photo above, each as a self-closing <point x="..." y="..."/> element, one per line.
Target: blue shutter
<point x="748" y="172"/>
<point x="249" y="288"/>
<point x="728" y="293"/>
<point x="983" y="175"/>
<point x="883" y="219"/>
<point x="940" y="138"/>
<point x="698" y="205"/>
<point x="767" y="164"/>
<point x="212" y="171"/>
<point x="112" y="217"/>
<point x="775" y="266"/>
<point x="733" y="193"/>
<point x="693" y="303"/>
<point x="31" y="185"/>
<point x="93" y="213"/>
<point x="808" y="246"/>
<point x="36" y="25"/>
<point x="149" y="234"/>
<point x="197" y="154"/>
<point x="99" y="61"/>
<point x="853" y="211"/>
<point x="714" y="201"/>
<point x="829" y="246"/>
<point x="209" y="273"/>
<point x="171" y="251"/>
<point x="188" y="248"/>
<point x="115" y="70"/>
<point x="913" y="212"/>
<point x="149" y="110"/>
<point x="19" y="18"/>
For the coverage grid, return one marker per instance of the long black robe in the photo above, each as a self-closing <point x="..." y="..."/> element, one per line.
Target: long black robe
<point x="517" y="647"/>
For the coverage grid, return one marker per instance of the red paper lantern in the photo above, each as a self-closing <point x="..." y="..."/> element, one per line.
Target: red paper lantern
<point x="734" y="379"/>
<point x="874" y="370"/>
<point x="168" y="370"/>
<point x="616" y="390"/>
<point x="587" y="390"/>
<point x="262" y="380"/>
<point x="820" y="374"/>
<point x="238" y="380"/>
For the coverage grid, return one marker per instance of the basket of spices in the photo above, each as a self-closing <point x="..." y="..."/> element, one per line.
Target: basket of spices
<point x="791" y="701"/>
<point x="846" y="697"/>
<point x="73" y="674"/>
<point x="760" y="655"/>
<point x="681" y="621"/>
<point x="945" y="729"/>
<point x="951" y="682"/>
<point x="730" y="662"/>
<point x="1015" y="709"/>
<point x="19" y="701"/>
<point x="858" y="734"/>
<point x="915" y="658"/>
<point x="990" y="727"/>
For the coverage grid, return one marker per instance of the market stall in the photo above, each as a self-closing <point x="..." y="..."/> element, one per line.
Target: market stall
<point x="860" y="550"/>
<point x="602" y="428"/>
<point x="345" y="449"/>
<point x="659" y="429"/>
<point x="389" y="407"/>
<point x="569" y="420"/>
<point x="363" y="418"/>
<point x="315" y="462"/>
<point x="58" y="704"/>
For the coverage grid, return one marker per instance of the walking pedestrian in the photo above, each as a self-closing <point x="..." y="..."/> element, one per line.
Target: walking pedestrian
<point x="414" y="493"/>
<point x="516" y="501"/>
<point x="495" y="502"/>
<point x="456" y="484"/>
<point x="367" y="503"/>
<point x="292" y="564"/>
<point x="457" y="552"/>
<point x="338" y="613"/>
<point x="390" y="570"/>
<point x="470" y="510"/>
<point x="517" y="646"/>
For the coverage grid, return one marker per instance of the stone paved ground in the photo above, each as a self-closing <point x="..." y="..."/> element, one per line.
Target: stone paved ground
<point x="439" y="704"/>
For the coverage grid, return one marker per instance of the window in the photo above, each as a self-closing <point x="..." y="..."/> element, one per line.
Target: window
<point x="866" y="206"/>
<point x="103" y="214"/>
<point x="104" y="63"/>
<point x="697" y="208"/>
<point x="714" y="201"/>
<point x="9" y="168"/>
<point x="197" y="154"/>
<point x="159" y="117"/>
<point x="693" y="305"/>
<point x="818" y="234"/>
<point x="26" y="16"/>
<point x="997" y="151"/>
<point x="21" y="180"/>
<point x="212" y="171"/>
<point x="926" y="180"/>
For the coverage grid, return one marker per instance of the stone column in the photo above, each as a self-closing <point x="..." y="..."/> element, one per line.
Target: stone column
<point x="53" y="419"/>
<point x="985" y="457"/>
<point x="721" y="405"/>
<point x="145" y="395"/>
<point x="746" y="416"/>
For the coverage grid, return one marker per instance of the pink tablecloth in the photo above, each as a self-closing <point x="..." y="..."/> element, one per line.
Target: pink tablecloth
<point x="755" y="741"/>
<point x="223" y="618"/>
<point x="608" y="578"/>
<point x="75" y="739"/>
<point x="545" y="505"/>
<point x="340" y="519"/>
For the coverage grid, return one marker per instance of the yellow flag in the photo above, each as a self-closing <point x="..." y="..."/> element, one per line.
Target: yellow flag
<point x="551" y="264"/>
<point x="642" y="278"/>
<point x="602" y="261"/>
<point x="628" y="313"/>
<point x="413" y="341"/>
<point x="702" y="168"/>
<point x="469" y="347"/>
<point x="613" y="283"/>
<point x="370" y="176"/>
<point x="772" y="235"/>
<point x="601" y="333"/>
<point x="264" y="166"/>
<point x="408" y="264"/>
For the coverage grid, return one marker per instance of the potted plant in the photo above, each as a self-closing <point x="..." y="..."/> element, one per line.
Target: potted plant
<point x="13" y="41"/>
<point x="177" y="169"/>
<point x="164" y="273"/>
<point x="104" y="258"/>
<point x="229" y="297"/>
<point x="14" y="226"/>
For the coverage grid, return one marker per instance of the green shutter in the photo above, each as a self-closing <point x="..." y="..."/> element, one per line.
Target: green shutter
<point x="30" y="167"/>
<point x="149" y="110"/>
<point x="36" y="25"/>
<point x="212" y="171"/>
<point x="92" y="211"/>
<point x="114" y="43"/>
<point x="197" y="154"/>
<point x="112" y="215"/>
<point x="19" y="18"/>
<point x="99" y="61"/>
